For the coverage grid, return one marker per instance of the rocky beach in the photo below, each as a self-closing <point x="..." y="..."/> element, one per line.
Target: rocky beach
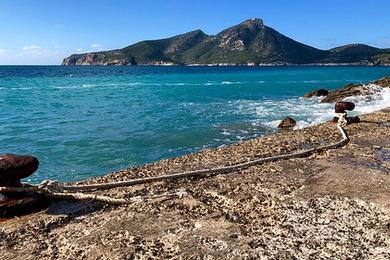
<point x="333" y="204"/>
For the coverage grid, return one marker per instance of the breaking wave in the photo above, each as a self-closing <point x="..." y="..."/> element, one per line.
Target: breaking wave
<point x="310" y="112"/>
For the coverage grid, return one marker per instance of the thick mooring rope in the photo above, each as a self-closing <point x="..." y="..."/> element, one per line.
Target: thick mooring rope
<point x="55" y="190"/>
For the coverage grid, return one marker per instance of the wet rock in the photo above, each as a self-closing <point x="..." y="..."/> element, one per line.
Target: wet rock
<point x="354" y="90"/>
<point x="339" y="94"/>
<point x="342" y="106"/>
<point x="15" y="167"/>
<point x="383" y="82"/>
<point x="316" y="93"/>
<point x="287" y="122"/>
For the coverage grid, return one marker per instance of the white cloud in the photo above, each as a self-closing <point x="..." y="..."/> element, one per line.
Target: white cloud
<point x="31" y="55"/>
<point x="57" y="46"/>
<point x="31" y="47"/>
<point x="79" y="49"/>
<point x="95" y="45"/>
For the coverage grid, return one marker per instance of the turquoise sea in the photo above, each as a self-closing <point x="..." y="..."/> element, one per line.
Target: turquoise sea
<point x="88" y="121"/>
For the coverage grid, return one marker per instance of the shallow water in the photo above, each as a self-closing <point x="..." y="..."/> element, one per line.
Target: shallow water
<point x="87" y="121"/>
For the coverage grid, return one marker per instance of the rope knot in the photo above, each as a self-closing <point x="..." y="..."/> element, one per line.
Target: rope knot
<point x="50" y="186"/>
<point x="342" y="119"/>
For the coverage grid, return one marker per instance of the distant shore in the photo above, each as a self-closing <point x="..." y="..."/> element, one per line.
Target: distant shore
<point x="166" y="64"/>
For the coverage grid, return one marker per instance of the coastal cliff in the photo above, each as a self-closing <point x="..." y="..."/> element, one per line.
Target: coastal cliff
<point x="250" y="43"/>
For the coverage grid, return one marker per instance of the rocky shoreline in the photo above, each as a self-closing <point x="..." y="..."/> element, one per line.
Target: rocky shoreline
<point x="350" y="90"/>
<point x="330" y="205"/>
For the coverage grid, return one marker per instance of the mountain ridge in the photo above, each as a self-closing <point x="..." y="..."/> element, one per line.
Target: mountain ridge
<point x="248" y="43"/>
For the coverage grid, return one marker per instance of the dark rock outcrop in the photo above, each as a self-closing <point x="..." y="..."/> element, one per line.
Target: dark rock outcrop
<point x="15" y="167"/>
<point x="317" y="93"/>
<point x="287" y="122"/>
<point x="355" y="90"/>
<point x="347" y="91"/>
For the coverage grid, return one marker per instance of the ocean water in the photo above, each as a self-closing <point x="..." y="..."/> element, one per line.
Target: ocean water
<point x="88" y="121"/>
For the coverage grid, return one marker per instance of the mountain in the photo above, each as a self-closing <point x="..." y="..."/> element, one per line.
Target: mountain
<point x="248" y="43"/>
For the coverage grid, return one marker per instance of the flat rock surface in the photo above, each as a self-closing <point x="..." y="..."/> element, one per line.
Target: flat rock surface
<point x="335" y="204"/>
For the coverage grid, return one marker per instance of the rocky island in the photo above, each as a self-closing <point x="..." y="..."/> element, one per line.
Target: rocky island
<point x="250" y="43"/>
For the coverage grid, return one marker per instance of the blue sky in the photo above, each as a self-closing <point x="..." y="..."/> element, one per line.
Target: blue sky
<point x="43" y="31"/>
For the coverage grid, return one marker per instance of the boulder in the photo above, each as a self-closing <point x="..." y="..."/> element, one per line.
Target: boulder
<point x="15" y="167"/>
<point x="316" y="93"/>
<point x="287" y="122"/>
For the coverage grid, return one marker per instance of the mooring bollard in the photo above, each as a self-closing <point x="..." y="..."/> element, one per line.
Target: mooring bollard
<point x="13" y="168"/>
<point x="342" y="107"/>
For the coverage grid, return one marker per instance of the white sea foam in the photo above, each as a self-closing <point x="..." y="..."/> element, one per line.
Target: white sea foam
<point x="228" y="83"/>
<point x="379" y="100"/>
<point x="109" y="85"/>
<point x="125" y="84"/>
<point x="225" y="132"/>
<point x="225" y="82"/>
<point x="311" y="111"/>
<point x="178" y="84"/>
<point x="21" y="88"/>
